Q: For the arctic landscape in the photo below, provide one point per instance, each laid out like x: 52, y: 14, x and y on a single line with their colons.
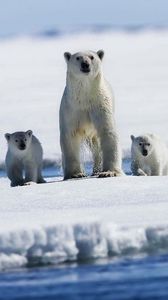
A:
x: 76, y: 220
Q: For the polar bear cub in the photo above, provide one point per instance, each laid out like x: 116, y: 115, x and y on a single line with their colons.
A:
x: 87, y: 114
x: 149, y: 156
x: 24, y: 155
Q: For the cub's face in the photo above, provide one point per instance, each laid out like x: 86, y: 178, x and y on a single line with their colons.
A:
x: 84, y: 64
x: 19, y: 140
x: 143, y: 144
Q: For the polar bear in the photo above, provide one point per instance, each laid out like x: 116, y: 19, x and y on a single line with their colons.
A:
x: 149, y: 156
x: 24, y: 155
x: 87, y: 114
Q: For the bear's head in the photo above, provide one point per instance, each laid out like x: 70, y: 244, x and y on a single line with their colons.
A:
x: 84, y: 64
x: 19, y: 140
x: 142, y: 144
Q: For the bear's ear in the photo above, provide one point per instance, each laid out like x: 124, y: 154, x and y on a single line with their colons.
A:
x: 29, y: 132
x: 100, y: 54
x: 132, y: 137
x: 7, y: 136
x: 67, y: 56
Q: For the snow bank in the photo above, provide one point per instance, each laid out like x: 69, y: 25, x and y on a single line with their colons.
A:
x: 60, y: 221
x: 63, y: 243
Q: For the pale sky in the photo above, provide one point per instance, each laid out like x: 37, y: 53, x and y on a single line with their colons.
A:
x: 28, y: 16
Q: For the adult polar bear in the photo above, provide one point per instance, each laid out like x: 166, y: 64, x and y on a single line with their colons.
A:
x: 87, y: 113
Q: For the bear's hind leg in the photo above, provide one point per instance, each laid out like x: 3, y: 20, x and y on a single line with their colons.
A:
x: 94, y: 145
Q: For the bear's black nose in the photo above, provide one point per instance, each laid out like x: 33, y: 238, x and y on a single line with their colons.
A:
x: 22, y: 146
x: 145, y: 152
x: 85, y: 65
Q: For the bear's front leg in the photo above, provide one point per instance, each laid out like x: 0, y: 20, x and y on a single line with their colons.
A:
x: 136, y: 170
x: 30, y: 173
x: 14, y: 172
x: 156, y: 170
x: 111, y: 155
x: 140, y: 172
x: 70, y: 146
x: 111, y: 152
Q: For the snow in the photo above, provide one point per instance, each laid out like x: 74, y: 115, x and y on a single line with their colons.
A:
x: 77, y: 219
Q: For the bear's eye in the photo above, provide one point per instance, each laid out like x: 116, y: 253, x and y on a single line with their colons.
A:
x: 91, y: 57
x: 16, y: 141
x: 77, y: 58
x: 140, y: 144
x: 148, y: 144
x: 25, y: 140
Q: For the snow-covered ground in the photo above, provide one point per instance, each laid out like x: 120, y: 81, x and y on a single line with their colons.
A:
x: 93, y: 217
x: 79, y: 219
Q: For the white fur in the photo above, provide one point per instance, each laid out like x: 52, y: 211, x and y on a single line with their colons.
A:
x: 87, y: 113
x: 28, y: 160
x: 155, y: 163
